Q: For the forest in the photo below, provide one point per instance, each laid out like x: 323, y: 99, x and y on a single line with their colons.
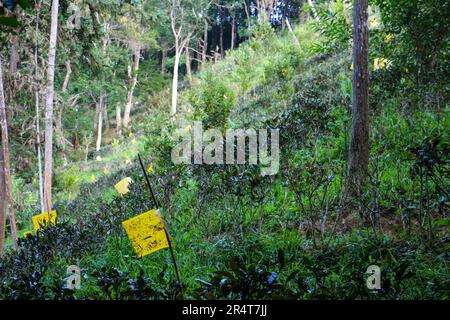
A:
x: 224, y: 150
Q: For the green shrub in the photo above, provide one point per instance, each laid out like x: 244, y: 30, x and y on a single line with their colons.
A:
x: 212, y: 102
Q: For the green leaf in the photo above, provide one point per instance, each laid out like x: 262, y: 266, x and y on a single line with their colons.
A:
x: 25, y: 4
x: 9, y: 21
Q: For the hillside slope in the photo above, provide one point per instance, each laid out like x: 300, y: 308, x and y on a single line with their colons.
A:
x: 240, y: 235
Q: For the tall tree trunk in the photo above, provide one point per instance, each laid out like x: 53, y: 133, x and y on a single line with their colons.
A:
x: 118, y: 119
x: 100, y: 124
x: 221, y: 33
x: 205, y: 42
x: 6, y: 163
x: 188, y: 62
x: 175, y: 80
x: 38, y: 117
x: 359, y: 143
x: 163, y: 60
x: 292, y: 32
x: 2, y: 205
x: 233, y: 32
x: 14, y: 56
x: 97, y: 111
x: 285, y: 14
x: 48, y: 173
x: 105, y: 113
x: 67, y: 78
x: 133, y: 82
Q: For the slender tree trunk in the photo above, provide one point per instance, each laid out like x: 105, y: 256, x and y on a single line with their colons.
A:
x: 118, y: 120
x: 292, y: 32
x: 285, y: 14
x: 359, y: 143
x: 6, y: 163
x: 105, y: 113
x: 3, y: 205
x: 134, y: 78
x: 67, y: 78
x: 175, y: 80
x: 97, y: 111
x: 14, y: 56
x: 48, y: 173
x: 221, y: 33
x: 233, y: 32
x: 188, y: 62
x: 14, y: 59
x: 205, y: 42
x: 38, y: 117
x: 163, y: 60
x: 100, y: 124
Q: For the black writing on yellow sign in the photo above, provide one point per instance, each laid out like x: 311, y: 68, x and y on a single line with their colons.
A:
x: 146, y: 233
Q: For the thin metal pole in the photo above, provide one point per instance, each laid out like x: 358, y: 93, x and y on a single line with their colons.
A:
x: 148, y: 183
x: 165, y: 230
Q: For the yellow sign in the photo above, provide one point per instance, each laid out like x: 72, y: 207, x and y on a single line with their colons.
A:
x: 43, y: 219
x: 146, y: 233
x: 122, y: 186
x: 27, y: 234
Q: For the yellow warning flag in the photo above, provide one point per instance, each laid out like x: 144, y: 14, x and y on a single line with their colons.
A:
x: 122, y: 186
x: 146, y: 233
x: 44, y: 219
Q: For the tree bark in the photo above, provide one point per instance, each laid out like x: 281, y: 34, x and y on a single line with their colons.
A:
x: 133, y: 82
x: 188, y: 62
x: 205, y: 42
x: 233, y: 32
x: 38, y: 117
x: 359, y: 143
x: 2, y: 205
x: 105, y: 113
x: 100, y: 124
x: 118, y: 119
x: 175, y: 82
x: 6, y: 162
x: 48, y: 171
x: 221, y: 33
x: 67, y: 78
x: 163, y: 60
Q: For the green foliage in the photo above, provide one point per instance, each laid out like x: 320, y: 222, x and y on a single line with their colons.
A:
x: 334, y: 26
x: 212, y: 102
x: 238, y: 235
x: 423, y: 52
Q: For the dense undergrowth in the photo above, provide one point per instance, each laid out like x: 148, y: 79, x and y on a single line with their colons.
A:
x: 238, y: 235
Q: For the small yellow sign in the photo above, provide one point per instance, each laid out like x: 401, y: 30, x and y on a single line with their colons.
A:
x: 44, y: 219
x: 122, y: 186
x: 27, y: 234
x: 146, y: 233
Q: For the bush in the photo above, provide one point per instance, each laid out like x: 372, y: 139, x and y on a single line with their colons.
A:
x: 212, y: 102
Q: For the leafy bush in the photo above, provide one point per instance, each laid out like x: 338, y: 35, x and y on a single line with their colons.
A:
x: 212, y: 102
